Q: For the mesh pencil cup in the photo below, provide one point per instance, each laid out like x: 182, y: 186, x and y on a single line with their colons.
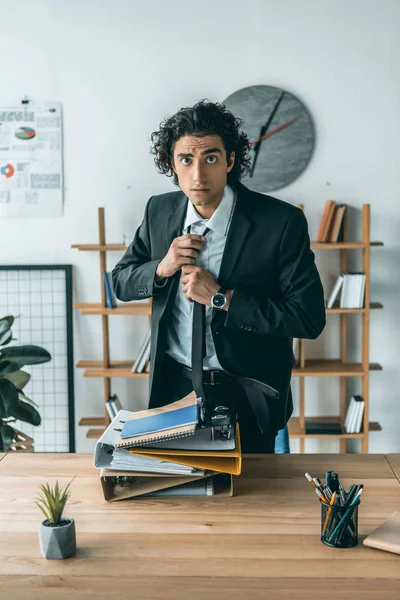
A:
x: 339, y: 525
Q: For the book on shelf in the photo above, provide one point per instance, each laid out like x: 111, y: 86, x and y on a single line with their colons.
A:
x: 324, y: 427
x: 335, y: 291
x: 113, y: 406
x: 354, y: 415
x: 325, y: 221
x: 143, y: 355
x: 336, y: 231
x: 331, y: 226
x: 108, y: 287
x: 353, y: 290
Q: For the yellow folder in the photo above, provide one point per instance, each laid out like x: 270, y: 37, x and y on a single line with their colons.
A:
x: 229, y: 461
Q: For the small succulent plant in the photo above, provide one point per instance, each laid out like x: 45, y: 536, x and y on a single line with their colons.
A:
x: 52, y: 502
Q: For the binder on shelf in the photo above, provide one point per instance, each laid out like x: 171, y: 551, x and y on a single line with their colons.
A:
x: 113, y: 406
x: 143, y: 354
x: 335, y: 291
x: 110, y: 296
x: 354, y: 415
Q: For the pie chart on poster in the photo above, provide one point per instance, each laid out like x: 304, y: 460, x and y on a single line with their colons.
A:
x: 7, y: 170
x: 25, y: 133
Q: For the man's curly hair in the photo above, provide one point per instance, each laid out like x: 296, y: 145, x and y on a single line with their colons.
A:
x: 204, y: 118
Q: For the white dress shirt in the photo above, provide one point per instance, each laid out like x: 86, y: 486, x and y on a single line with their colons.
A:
x: 179, y: 336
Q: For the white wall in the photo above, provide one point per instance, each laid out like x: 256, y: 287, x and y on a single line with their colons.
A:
x: 120, y: 67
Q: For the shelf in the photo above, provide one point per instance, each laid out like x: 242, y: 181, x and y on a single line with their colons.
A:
x: 118, y: 368
x: 295, y: 431
x: 315, y: 245
x: 100, y: 247
x: 139, y: 308
x: 348, y: 311
x: 91, y: 421
x: 94, y: 434
x: 342, y: 245
x: 331, y: 368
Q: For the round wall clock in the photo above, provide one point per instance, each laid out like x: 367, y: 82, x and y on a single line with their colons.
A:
x: 280, y: 131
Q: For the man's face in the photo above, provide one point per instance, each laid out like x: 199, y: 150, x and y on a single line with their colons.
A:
x: 201, y: 167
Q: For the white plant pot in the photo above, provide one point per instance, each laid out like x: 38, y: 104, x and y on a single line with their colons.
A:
x: 59, y: 541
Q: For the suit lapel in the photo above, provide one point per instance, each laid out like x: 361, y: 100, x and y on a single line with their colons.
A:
x: 237, y: 234
x: 176, y: 218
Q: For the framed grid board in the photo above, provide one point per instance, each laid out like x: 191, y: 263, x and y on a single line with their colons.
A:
x: 41, y: 297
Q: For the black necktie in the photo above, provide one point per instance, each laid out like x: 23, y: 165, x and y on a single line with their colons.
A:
x: 198, y: 343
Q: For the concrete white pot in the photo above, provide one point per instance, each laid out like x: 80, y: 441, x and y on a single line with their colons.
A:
x: 58, y: 541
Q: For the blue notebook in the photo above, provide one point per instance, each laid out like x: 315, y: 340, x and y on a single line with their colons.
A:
x: 179, y: 417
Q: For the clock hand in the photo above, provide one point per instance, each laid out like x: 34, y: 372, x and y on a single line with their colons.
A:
x: 267, y: 135
x: 262, y: 132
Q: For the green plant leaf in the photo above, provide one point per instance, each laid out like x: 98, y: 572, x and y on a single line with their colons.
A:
x: 6, y: 366
x: 26, y: 399
x: 6, y: 436
x: 26, y: 412
x: 53, y: 500
x: 6, y: 323
x: 25, y: 355
x: 42, y: 508
x: 8, y: 399
x: 5, y: 338
x: 18, y: 378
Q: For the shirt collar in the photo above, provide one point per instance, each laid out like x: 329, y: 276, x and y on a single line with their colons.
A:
x: 221, y: 217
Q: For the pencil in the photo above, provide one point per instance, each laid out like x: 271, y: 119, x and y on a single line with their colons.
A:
x: 328, y: 514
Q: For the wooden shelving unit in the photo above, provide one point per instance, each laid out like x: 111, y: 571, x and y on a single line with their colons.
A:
x: 341, y: 367
x: 106, y: 368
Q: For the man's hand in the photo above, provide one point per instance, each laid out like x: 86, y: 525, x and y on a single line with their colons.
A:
x: 183, y: 251
x: 198, y: 284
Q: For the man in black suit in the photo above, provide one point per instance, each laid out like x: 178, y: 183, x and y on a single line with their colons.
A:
x: 253, y: 271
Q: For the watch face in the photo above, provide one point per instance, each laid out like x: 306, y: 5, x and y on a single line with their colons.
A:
x: 280, y: 131
x: 219, y: 300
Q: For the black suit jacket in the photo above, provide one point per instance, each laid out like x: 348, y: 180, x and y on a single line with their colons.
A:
x: 268, y: 263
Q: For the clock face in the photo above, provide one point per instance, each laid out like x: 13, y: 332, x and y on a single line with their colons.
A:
x: 280, y: 131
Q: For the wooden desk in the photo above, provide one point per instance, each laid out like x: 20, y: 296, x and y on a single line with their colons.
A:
x: 263, y: 542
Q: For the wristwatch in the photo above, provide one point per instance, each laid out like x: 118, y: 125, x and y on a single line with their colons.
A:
x: 219, y: 299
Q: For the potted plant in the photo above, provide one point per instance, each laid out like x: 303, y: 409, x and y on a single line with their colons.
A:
x: 13, y: 402
x: 57, y: 533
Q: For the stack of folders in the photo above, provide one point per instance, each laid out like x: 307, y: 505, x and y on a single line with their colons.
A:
x: 354, y: 415
x: 352, y: 288
x: 109, y: 291
x: 331, y: 226
x: 143, y: 356
x: 155, y: 450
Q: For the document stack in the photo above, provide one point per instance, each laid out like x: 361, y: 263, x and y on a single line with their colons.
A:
x: 166, y: 451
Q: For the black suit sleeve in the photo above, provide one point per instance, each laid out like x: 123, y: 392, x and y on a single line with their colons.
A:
x: 133, y: 275
x: 298, y: 310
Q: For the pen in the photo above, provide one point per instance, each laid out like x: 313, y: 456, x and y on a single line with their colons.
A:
x: 343, y: 521
x: 328, y: 514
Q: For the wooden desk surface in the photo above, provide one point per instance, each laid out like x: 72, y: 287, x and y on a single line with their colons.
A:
x: 263, y: 542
